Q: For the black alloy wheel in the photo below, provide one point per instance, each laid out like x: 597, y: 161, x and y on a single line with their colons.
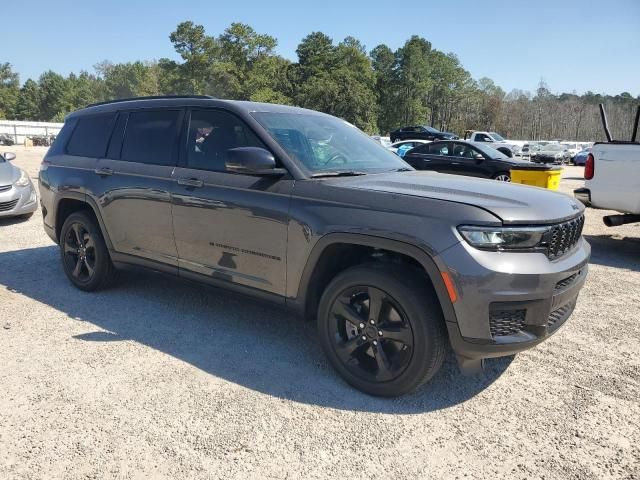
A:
x: 371, y: 333
x: 85, y: 257
x: 382, y: 328
x: 80, y: 253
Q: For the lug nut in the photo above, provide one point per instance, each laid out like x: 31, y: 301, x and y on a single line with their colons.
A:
x: 380, y: 332
x: 362, y: 325
x: 372, y: 322
x: 364, y: 337
x: 375, y: 343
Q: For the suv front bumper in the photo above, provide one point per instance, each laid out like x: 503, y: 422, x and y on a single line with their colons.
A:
x: 509, y: 302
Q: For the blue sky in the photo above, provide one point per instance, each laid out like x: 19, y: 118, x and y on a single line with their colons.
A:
x: 572, y: 44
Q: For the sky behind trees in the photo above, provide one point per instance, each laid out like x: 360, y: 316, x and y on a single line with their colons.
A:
x: 572, y: 44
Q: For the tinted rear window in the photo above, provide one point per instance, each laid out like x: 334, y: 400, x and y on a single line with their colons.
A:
x: 151, y: 137
x: 91, y: 135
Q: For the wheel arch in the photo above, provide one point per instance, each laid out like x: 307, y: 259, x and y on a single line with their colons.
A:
x: 311, y: 282
x: 72, y: 202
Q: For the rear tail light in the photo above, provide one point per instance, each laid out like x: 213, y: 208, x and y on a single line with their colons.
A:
x: 589, y: 167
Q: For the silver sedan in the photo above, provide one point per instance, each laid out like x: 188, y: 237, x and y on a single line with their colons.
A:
x: 17, y: 195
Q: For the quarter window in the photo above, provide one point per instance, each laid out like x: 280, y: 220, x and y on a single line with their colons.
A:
x: 91, y: 135
x: 151, y: 137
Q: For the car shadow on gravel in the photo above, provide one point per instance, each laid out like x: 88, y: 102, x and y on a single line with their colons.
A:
x: 253, y: 344
x: 8, y: 221
x: 615, y: 251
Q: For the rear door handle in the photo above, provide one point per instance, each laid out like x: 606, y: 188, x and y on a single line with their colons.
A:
x: 103, y: 171
x: 190, y: 182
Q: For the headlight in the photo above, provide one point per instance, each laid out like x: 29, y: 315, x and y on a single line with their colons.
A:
x: 23, y: 181
x: 503, y: 238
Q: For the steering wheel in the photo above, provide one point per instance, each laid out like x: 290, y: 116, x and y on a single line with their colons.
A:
x: 337, y: 158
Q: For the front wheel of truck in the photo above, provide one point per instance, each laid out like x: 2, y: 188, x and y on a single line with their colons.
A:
x: 382, y: 328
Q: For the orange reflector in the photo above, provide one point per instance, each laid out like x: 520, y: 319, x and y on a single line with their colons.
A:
x: 451, y: 288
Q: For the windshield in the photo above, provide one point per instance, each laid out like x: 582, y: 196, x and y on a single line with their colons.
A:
x: 490, y: 152
x: 327, y: 144
x: 555, y: 147
x: 496, y: 137
x: 431, y: 129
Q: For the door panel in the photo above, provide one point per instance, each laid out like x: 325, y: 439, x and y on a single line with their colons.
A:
x: 136, y: 183
x: 228, y: 226
x: 463, y: 161
x: 233, y: 227
x: 136, y: 208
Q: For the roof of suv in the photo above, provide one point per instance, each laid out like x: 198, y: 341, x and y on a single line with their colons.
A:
x: 189, y: 101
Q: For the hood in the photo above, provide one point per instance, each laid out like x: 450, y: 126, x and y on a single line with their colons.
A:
x: 8, y: 173
x: 549, y: 152
x: 512, y: 203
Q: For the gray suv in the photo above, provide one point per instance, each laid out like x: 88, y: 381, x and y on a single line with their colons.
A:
x: 303, y: 209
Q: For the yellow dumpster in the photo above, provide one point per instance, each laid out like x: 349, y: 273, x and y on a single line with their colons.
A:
x: 545, y: 176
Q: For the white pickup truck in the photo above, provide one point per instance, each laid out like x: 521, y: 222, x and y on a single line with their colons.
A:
x: 612, y: 177
x: 508, y: 147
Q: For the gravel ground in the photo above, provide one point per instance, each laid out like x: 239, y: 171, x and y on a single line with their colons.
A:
x: 157, y: 378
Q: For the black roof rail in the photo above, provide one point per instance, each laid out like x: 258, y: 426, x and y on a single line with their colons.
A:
x: 151, y: 97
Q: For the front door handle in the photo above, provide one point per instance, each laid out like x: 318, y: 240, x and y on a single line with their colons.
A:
x: 103, y: 172
x: 190, y: 182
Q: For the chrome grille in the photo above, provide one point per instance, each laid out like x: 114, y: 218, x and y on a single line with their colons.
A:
x: 563, y: 237
x: 4, y: 188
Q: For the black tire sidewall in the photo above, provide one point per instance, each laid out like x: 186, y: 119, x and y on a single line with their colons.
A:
x: 419, y: 303
x: 103, y: 267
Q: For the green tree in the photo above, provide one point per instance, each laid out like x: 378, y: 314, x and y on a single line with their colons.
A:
x: 9, y: 90
x: 28, y: 102
x: 54, y: 96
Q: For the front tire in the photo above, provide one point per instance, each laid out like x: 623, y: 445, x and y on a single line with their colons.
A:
x: 502, y: 177
x: 382, y: 329
x: 85, y: 257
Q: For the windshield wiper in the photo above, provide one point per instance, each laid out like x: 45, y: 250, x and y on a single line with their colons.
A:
x: 344, y: 173
x: 403, y: 169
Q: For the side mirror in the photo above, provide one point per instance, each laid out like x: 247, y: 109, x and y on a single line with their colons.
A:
x: 8, y: 156
x: 478, y: 157
x: 252, y: 161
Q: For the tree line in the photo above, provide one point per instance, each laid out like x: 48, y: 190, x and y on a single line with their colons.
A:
x: 378, y: 91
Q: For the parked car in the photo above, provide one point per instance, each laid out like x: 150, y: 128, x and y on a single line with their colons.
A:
x: 17, y: 194
x: 403, y: 146
x: 552, y: 153
x: 581, y: 157
x: 303, y: 209
x: 421, y: 132
x: 612, y: 176
x: 529, y: 150
x: 573, y: 148
x: 384, y: 141
x: 464, y: 158
x: 508, y: 147
x: 6, y: 139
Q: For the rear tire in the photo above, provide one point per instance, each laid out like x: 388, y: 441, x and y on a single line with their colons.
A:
x: 85, y: 257
x: 382, y: 328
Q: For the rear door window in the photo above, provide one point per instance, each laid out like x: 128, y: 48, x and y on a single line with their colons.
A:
x: 151, y: 137
x: 91, y: 135
x: 439, y: 148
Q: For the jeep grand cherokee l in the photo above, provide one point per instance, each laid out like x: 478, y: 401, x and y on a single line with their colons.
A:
x: 303, y: 209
